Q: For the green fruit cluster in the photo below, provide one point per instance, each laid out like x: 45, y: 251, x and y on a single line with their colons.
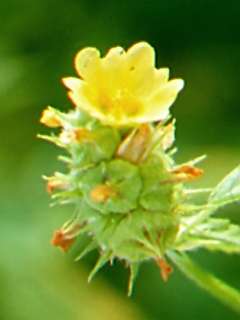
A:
x: 123, y: 184
x: 131, y: 198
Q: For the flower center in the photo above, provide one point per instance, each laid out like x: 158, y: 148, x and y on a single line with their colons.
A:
x: 119, y: 105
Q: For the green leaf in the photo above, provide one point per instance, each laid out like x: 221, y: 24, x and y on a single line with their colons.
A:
x: 214, y: 234
x: 216, y: 287
x: 228, y: 190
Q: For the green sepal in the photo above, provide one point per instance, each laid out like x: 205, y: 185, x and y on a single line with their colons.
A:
x: 103, y: 259
x: 84, y: 154
x: 122, y: 177
x: 158, y: 191
x: 134, y: 268
x: 65, y: 159
x: 137, y: 236
x: 106, y: 141
x: 101, y: 146
x: 85, y: 212
x: 77, y: 118
x: 90, y: 247
x: 53, y: 139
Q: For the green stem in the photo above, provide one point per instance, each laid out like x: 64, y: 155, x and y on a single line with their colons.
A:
x: 217, y: 288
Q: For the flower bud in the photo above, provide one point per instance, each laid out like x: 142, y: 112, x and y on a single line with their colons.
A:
x: 50, y: 118
x: 135, y: 144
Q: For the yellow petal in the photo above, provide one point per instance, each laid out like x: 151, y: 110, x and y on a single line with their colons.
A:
x: 152, y: 116
x: 161, y: 101
x: 162, y: 75
x: 83, y: 98
x: 167, y: 91
x: 87, y: 64
x: 140, y: 54
x: 139, y: 74
x: 112, y: 68
x: 160, y: 78
x: 114, y: 55
x: 113, y: 61
x: 72, y: 83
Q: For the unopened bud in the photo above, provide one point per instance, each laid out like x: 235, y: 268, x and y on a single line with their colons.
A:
x: 50, y: 118
x: 135, y: 144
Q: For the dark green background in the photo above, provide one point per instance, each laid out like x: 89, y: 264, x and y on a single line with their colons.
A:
x: 200, y: 41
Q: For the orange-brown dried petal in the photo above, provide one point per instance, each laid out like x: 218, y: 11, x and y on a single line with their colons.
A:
x: 165, y: 268
x: 102, y: 193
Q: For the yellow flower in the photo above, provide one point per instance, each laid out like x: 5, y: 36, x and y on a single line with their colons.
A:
x: 124, y: 87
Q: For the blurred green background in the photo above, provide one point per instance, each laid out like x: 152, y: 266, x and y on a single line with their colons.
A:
x: 38, y: 39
